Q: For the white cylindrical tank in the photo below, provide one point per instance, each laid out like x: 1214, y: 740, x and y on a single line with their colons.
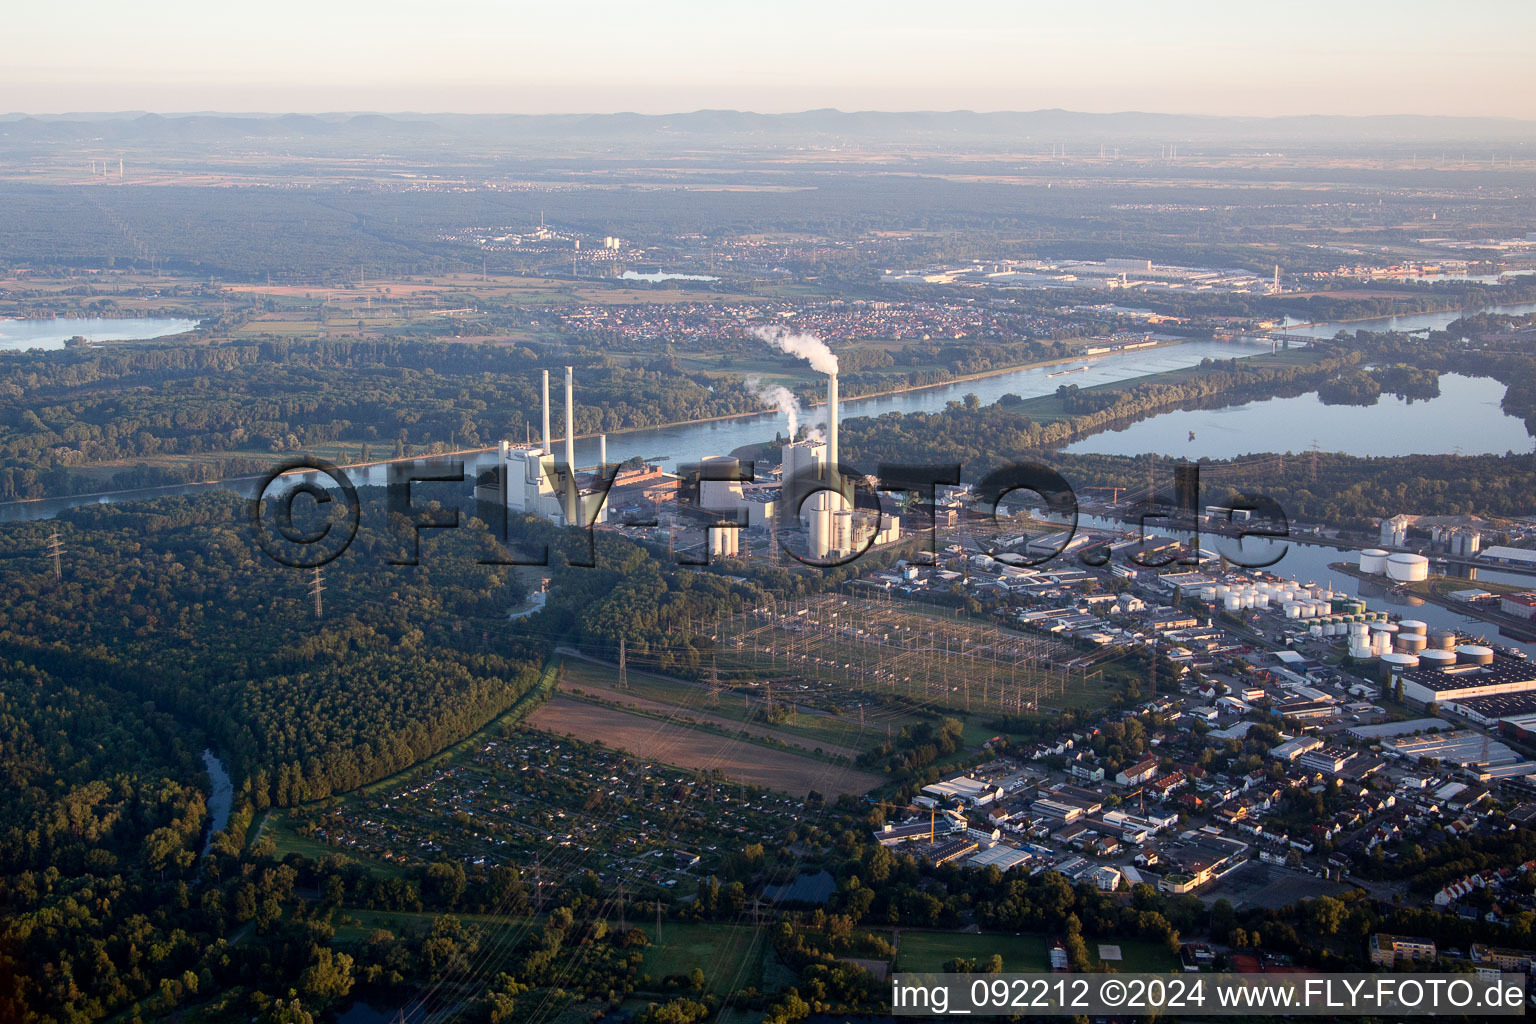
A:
x: 1316, y: 630
x: 1361, y: 652
x: 1407, y: 568
x: 1232, y: 602
x: 1413, y: 626
x: 1374, y: 561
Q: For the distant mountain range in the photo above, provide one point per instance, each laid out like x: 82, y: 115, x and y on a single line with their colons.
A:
x: 931, y: 127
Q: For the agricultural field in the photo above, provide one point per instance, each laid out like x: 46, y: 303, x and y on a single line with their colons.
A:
x: 738, y: 709
x: 697, y: 750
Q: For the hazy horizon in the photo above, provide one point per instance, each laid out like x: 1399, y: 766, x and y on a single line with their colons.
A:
x: 671, y: 56
x: 622, y: 112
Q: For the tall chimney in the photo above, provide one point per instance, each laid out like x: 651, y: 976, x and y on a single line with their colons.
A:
x: 832, y: 419
x: 602, y: 451
x: 570, y: 450
x: 549, y: 442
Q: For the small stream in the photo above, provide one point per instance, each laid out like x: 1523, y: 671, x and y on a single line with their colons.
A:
x: 221, y: 799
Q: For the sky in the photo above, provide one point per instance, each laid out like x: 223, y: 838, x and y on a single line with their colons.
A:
x: 663, y: 56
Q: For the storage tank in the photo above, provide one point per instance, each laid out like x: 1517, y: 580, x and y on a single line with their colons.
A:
x: 1410, y: 643
x: 1316, y: 630
x: 1442, y: 640
x: 1413, y: 626
x: 1232, y: 602
x: 1474, y: 654
x: 1407, y: 568
x: 1436, y: 659
x: 1361, y: 652
x: 1394, y: 662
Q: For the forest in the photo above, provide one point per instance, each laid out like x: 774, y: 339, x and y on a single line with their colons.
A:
x: 248, y: 400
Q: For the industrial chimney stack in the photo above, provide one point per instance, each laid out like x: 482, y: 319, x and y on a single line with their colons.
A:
x: 571, y: 517
x: 549, y: 442
x: 832, y: 421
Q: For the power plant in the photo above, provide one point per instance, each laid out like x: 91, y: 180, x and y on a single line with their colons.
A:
x: 535, y: 485
x: 831, y: 531
x: 531, y: 482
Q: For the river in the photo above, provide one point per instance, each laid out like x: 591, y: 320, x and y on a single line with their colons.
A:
x: 221, y: 798
x: 689, y: 442
x: 16, y: 335
x: 1405, y: 323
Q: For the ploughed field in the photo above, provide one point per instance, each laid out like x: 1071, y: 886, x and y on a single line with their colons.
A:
x: 679, y: 744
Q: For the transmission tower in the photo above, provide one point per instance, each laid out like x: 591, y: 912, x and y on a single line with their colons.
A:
x: 316, y: 588
x: 56, y: 550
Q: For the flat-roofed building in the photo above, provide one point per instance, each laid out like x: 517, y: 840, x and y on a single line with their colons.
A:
x: 1290, y: 750
x: 1387, y: 950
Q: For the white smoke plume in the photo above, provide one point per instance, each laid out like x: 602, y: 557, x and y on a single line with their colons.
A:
x: 780, y: 396
x: 803, y: 346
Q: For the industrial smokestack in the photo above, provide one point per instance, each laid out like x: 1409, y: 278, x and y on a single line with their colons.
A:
x: 832, y: 419
x: 570, y: 448
x: 549, y: 442
x: 602, y: 451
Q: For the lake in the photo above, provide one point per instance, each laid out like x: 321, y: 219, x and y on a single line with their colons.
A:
x: 18, y: 335
x: 659, y: 276
x: 1465, y: 418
